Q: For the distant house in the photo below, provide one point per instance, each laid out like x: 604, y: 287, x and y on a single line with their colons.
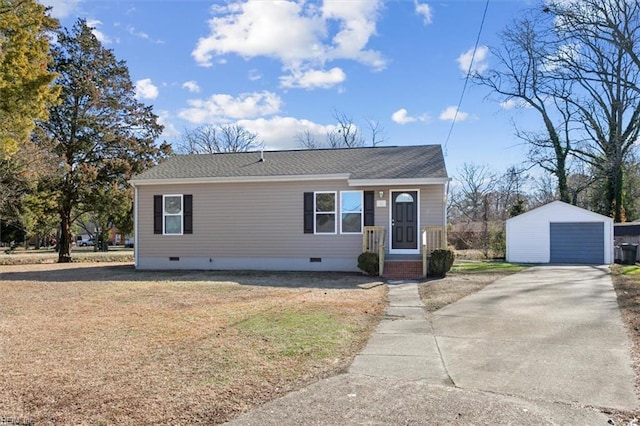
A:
x: 302, y: 210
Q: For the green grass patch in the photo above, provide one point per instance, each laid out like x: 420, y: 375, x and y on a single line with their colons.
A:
x: 629, y: 270
x: 313, y: 334
x: 487, y: 266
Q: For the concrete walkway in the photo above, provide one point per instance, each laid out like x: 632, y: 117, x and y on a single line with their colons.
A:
x: 545, y: 346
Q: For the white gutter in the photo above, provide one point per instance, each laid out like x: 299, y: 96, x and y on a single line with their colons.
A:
x: 392, y: 182
x: 239, y: 179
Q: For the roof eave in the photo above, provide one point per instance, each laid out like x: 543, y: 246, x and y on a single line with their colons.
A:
x: 238, y: 179
x: 396, y: 182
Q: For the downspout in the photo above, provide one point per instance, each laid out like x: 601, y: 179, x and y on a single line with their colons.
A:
x: 136, y: 240
x: 446, y: 197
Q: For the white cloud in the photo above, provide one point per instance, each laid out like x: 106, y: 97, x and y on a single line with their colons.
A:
x: 254, y: 75
x: 62, y: 8
x: 132, y: 30
x: 102, y: 37
x: 402, y: 116
x: 280, y: 132
x: 313, y: 78
x: 145, y: 89
x: 169, y: 131
x: 301, y: 36
x: 509, y: 104
x: 449, y: 114
x: 191, y: 86
x: 357, y: 20
x: 424, y: 10
x: 514, y: 103
x: 222, y: 107
x: 480, y: 63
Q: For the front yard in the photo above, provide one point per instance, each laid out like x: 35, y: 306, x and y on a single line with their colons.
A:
x: 104, y: 344
x: 101, y: 343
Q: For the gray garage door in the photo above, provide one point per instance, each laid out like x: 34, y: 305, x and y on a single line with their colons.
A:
x: 577, y: 242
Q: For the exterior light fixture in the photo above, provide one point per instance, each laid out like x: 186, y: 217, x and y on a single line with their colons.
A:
x: 381, y: 194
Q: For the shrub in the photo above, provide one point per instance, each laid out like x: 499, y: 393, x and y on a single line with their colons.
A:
x: 368, y: 263
x: 440, y: 262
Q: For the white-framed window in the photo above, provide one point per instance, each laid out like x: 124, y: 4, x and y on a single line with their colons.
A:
x: 324, y: 212
x: 351, y: 212
x: 172, y: 214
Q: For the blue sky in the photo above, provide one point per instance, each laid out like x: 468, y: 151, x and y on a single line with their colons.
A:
x: 282, y: 67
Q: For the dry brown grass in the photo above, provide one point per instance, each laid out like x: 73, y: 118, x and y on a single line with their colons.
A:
x: 104, y: 344
x: 626, y: 281
x: 439, y: 293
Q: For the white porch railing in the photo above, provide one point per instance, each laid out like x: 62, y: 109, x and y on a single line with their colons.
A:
x: 433, y: 238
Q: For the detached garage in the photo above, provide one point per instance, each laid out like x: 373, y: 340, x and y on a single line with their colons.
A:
x: 560, y: 233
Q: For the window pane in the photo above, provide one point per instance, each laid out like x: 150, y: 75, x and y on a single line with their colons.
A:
x: 172, y: 205
x: 173, y: 224
x: 325, y: 223
x: 325, y: 202
x: 404, y: 198
x: 351, y: 222
x: 351, y: 201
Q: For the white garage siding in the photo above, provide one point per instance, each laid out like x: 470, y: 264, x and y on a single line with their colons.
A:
x: 529, y: 234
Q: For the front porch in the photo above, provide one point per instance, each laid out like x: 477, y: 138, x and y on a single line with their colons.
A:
x: 403, y: 266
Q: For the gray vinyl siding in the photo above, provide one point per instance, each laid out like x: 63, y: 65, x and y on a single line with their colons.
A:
x: 260, y: 220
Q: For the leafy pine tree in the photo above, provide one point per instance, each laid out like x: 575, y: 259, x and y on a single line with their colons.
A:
x: 99, y: 132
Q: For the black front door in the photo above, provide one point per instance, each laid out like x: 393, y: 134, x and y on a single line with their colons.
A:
x: 404, y: 220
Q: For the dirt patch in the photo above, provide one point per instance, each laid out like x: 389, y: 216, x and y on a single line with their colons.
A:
x: 628, y: 293
x: 105, y: 344
x: 439, y: 293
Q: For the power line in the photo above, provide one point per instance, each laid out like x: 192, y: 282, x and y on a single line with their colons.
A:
x: 466, y: 78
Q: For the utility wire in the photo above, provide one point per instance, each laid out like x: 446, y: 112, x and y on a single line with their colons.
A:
x: 466, y: 79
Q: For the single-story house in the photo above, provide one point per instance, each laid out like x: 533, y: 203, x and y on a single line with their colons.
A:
x: 560, y: 233
x: 300, y: 210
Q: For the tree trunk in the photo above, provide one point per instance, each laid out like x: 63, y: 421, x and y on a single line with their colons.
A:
x: 64, y: 254
x: 563, y: 187
x: 618, y: 196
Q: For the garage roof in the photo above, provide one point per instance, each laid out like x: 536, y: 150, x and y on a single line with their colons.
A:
x: 578, y: 210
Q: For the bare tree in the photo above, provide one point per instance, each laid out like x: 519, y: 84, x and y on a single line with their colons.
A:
x: 378, y: 132
x: 346, y: 134
x: 522, y: 77
x: 606, y: 71
x: 210, y: 139
x: 307, y: 140
x: 576, y: 63
x: 474, y: 183
x: 510, y: 198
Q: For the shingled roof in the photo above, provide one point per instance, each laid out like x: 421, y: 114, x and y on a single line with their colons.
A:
x: 396, y: 162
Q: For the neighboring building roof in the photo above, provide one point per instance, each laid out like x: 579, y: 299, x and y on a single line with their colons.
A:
x: 422, y: 162
x: 624, y: 229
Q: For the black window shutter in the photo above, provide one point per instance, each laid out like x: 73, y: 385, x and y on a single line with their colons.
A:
x: 369, y: 208
x: 157, y: 214
x: 308, y: 212
x: 188, y: 214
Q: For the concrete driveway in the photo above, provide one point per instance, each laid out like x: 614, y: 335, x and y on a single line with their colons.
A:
x: 545, y: 346
x: 552, y: 333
